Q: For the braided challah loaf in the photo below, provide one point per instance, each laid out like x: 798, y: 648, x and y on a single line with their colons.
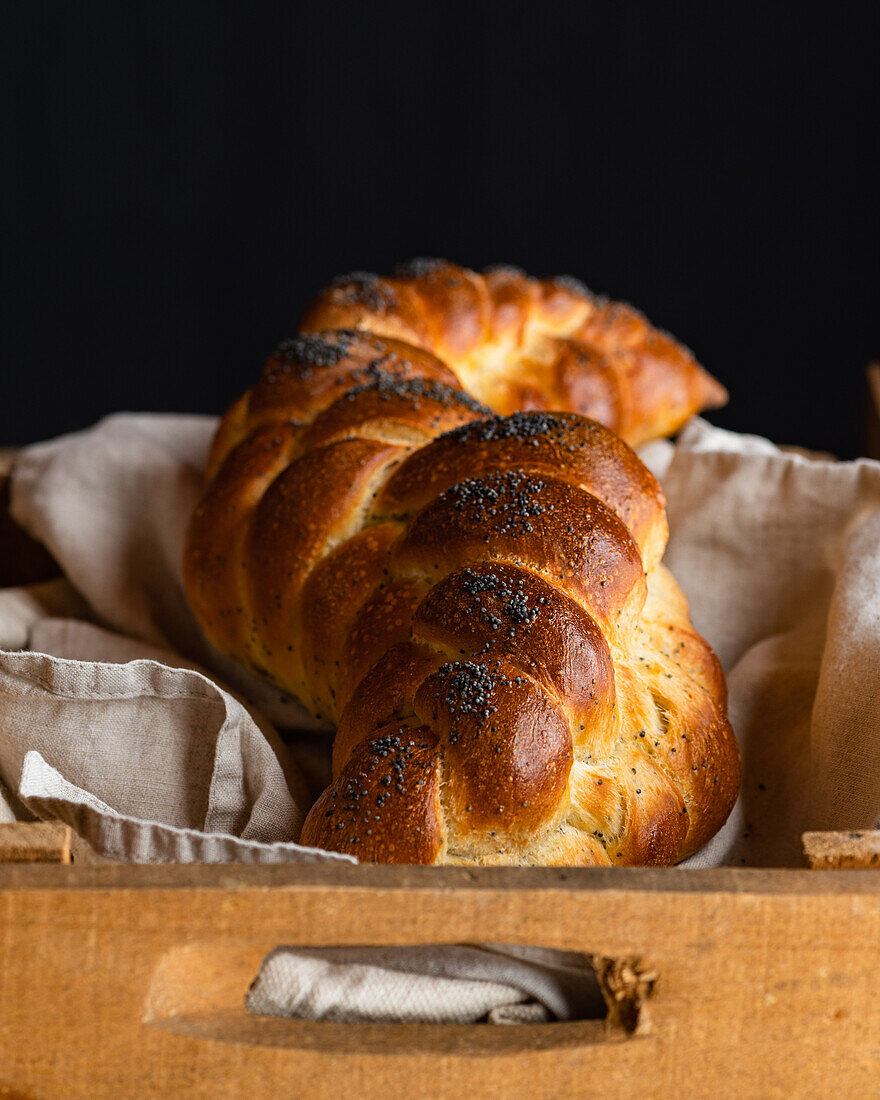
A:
x: 476, y: 602
x: 517, y: 343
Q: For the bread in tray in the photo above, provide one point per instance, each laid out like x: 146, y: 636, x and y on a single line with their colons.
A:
x: 476, y: 602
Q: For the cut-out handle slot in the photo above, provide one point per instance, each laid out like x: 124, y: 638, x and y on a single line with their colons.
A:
x: 440, y: 998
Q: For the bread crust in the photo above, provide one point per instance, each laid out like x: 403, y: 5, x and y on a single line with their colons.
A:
x: 519, y: 343
x: 477, y: 604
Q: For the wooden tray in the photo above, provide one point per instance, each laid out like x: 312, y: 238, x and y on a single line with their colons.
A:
x: 125, y: 981
x: 129, y: 981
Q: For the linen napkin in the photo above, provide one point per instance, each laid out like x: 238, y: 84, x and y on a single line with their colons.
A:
x: 780, y: 556
x: 450, y: 984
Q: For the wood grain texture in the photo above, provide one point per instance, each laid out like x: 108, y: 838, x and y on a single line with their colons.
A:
x: 764, y: 982
x: 34, y: 842
x: 843, y: 850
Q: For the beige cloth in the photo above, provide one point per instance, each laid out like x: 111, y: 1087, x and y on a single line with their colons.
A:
x: 112, y: 504
x: 454, y: 984
x: 151, y: 758
x: 121, y: 733
x: 780, y: 556
x: 147, y: 761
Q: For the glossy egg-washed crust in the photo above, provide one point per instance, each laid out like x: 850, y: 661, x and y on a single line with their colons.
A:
x: 518, y: 343
x: 475, y: 602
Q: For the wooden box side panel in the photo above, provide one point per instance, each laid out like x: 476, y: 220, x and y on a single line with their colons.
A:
x: 129, y: 982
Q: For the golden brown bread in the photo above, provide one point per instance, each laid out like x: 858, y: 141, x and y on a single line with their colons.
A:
x: 518, y: 343
x: 476, y: 602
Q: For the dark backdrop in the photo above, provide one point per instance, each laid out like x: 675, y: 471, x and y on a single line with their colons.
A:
x: 178, y: 179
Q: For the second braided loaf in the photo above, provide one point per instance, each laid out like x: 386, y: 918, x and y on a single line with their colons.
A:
x: 519, y: 343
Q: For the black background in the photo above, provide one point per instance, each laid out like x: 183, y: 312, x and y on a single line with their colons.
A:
x: 177, y: 180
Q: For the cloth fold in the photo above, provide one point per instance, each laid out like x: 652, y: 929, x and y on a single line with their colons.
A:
x: 146, y: 761
x: 449, y: 984
x: 112, y: 504
x: 779, y: 554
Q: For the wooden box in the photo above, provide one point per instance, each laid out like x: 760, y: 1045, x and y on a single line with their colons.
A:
x: 125, y: 981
